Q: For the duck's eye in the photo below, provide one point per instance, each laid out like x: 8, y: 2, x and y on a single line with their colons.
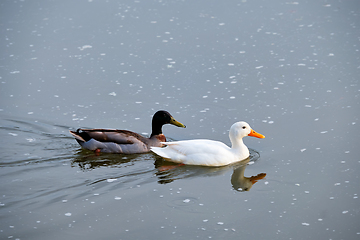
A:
x: 244, y: 127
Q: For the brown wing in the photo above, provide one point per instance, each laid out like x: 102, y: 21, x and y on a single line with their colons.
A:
x: 109, y: 135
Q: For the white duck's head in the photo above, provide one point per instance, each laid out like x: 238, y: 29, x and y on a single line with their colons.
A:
x: 242, y: 129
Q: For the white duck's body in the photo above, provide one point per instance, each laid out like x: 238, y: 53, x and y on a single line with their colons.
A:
x: 207, y: 152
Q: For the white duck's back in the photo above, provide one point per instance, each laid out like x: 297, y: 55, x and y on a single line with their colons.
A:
x: 197, y: 152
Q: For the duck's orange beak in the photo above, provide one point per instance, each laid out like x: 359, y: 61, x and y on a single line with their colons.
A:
x: 255, y: 134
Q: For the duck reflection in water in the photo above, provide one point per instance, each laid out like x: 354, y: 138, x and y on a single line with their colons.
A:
x: 169, y: 172
x: 165, y: 171
x: 240, y: 182
x: 88, y: 161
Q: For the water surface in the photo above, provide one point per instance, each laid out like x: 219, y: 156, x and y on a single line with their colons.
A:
x: 290, y: 69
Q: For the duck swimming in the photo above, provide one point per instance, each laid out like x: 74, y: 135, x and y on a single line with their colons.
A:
x: 124, y: 141
x: 207, y: 152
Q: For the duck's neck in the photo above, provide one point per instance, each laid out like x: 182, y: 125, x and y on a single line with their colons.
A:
x: 156, y: 129
x: 238, y: 146
x: 237, y: 143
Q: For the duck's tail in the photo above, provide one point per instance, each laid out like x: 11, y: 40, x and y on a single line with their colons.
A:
x: 159, y: 151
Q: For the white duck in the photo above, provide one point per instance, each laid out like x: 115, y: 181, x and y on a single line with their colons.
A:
x: 207, y: 152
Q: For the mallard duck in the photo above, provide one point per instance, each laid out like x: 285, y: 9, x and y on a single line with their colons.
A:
x: 123, y: 141
x: 207, y: 152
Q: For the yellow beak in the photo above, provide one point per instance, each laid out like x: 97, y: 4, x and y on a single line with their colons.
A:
x: 176, y: 123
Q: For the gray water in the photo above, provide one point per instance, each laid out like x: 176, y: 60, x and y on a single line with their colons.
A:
x: 290, y: 69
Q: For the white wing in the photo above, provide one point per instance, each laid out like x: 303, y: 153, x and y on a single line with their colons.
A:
x: 196, y: 152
